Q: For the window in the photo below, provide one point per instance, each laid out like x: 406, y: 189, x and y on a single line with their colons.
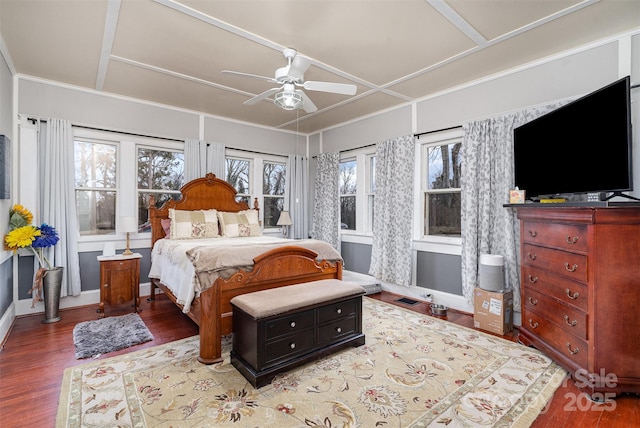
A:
x: 371, y: 190
x: 273, y: 187
x: 442, y: 167
x: 96, y: 186
x: 348, y: 194
x: 161, y: 173
x: 237, y: 174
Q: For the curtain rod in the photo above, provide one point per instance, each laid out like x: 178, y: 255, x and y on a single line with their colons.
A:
x: 437, y: 130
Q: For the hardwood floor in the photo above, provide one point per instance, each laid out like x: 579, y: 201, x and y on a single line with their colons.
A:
x: 35, y: 355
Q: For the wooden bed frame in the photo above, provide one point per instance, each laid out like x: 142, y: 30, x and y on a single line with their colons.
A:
x: 276, y: 268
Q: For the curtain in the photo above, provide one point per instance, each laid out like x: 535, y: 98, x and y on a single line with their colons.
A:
x: 487, y: 177
x: 201, y: 157
x: 326, y: 208
x: 57, y: 199
x: 393, y: 211
x: 296, y: 201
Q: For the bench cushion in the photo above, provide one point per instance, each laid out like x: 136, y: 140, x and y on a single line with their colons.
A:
x: 261, y: 304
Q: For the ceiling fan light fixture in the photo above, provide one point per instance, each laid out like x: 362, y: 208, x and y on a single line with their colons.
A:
x: 288, y: 100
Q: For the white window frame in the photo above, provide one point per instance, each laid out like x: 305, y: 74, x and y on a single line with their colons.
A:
x: 433, y: 243
x: 271, y: 160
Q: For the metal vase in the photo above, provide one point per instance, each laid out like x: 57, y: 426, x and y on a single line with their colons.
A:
x: 51, y: 285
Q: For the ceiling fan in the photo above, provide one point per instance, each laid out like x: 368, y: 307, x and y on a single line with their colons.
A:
x: 291, y: 76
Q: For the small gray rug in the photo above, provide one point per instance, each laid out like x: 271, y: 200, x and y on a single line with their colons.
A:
x: 94, y: 338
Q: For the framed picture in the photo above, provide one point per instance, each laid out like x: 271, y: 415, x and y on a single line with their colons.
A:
x: 5, y: 164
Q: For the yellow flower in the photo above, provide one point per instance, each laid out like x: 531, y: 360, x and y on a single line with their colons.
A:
x: 21, y: 237
x: 19, y: 216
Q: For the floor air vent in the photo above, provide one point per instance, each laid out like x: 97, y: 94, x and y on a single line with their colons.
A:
x: 407, y: 301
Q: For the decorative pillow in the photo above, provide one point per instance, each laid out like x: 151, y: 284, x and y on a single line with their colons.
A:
x: 193, y: 224
x: 166, y: 226
x: 243, y: 223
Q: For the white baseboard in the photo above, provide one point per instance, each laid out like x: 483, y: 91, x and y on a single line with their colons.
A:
x: 6, y: 322
x: 91, y: 297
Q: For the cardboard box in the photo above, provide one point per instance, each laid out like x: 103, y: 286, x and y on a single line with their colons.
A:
x: 493, y: 311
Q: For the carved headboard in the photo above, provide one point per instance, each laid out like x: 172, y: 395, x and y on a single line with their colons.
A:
x: 203, y: 193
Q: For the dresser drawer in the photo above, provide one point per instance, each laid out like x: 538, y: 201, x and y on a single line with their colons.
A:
x: 569, y: 265
x: 337, y: 310
x: 289, y: 324
x: 288, y: 347
x: 563, y: 342
x: 555, y: 286
x: 337, y: 329
x: 571, y: 237
x: 566, y: 317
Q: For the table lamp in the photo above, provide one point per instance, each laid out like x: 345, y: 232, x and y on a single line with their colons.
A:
x: 128, y: 224
x: 285, y: 222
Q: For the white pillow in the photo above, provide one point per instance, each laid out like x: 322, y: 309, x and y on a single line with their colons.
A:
x: 193, y: 224
x: 243, y: 223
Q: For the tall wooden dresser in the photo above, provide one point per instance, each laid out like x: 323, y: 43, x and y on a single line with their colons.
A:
x: 580, y: 289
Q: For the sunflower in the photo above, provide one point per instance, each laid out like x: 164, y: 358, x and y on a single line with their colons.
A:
x: 19, y: 216
x: 21, y: 237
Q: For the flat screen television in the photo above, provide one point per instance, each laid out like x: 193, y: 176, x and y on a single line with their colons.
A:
x: 581, y: 147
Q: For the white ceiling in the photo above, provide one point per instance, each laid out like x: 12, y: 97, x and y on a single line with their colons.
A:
x: 395, y: 51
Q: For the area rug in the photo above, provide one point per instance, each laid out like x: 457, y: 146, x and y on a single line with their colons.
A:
x: 413, y: 371
x: 94, y: 338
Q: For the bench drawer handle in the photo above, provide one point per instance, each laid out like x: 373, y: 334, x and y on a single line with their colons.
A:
x: 339, y: 310
x: 338, y: 329
x: 293, y: 324
x: 292, y: 345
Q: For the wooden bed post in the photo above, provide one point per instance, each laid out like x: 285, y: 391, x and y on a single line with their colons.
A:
x: 210, y: 326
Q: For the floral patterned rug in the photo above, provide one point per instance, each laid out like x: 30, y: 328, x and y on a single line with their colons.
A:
x: 413, y: 371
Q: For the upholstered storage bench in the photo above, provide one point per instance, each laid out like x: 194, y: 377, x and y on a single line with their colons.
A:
x: 278, y: 329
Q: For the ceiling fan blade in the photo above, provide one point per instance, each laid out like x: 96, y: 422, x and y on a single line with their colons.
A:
x: 307, y: 104
x: 262, y: 96
x: 299, y: 65
x: 336, y: 88
x: 255, y: 76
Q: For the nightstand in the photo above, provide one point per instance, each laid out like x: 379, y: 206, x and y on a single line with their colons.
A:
x: 119, y: 281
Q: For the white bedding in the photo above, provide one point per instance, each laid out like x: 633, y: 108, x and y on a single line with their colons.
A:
x: 170, y: 264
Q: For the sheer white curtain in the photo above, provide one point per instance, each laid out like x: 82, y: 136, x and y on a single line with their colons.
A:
x: 57, y: 199
x: 487, y: 177
x: 326, y: 211
x: 296, y: 201
x: 393, y: 207
x: 201, y: 157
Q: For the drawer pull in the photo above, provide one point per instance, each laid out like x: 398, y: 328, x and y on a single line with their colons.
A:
x: 533, y: 233
x: 570, y: 323
x: 292, y: 345
x: 573, y: 296
x: 533, y: 324
x: 293, y: 324
x: 531, y: 256
x: 532, y: 279
x: 533, y: 301
x: 570, y: 269
x: 338, y: 311
x: 573, y: 351
x: 338, y: 330
x: 571, y: 240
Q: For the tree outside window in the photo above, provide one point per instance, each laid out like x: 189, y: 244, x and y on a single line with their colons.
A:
x: 237, y: 174
x: 96, y: 186
x: 161, y: 173
x: 348, y: 195
x: 442, y: 200
x: 273, y: 187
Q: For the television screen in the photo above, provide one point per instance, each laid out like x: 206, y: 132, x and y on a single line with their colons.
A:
x: 581, y: 147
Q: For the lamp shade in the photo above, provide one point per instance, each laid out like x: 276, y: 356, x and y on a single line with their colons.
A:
x: 128, y: 224
x: 284, y: 219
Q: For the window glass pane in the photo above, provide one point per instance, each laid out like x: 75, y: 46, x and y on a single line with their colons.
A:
x: 160, y: 169
x: 95, y: 165
x: 237, y: 174
x: 348, y: 212
x: 444, y: 166
x: 273, y: 179
x: 348, y: 178
x: 96, y: 212
x: 272, y: 209
x: 372, y: 183
x: 443, y: 213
